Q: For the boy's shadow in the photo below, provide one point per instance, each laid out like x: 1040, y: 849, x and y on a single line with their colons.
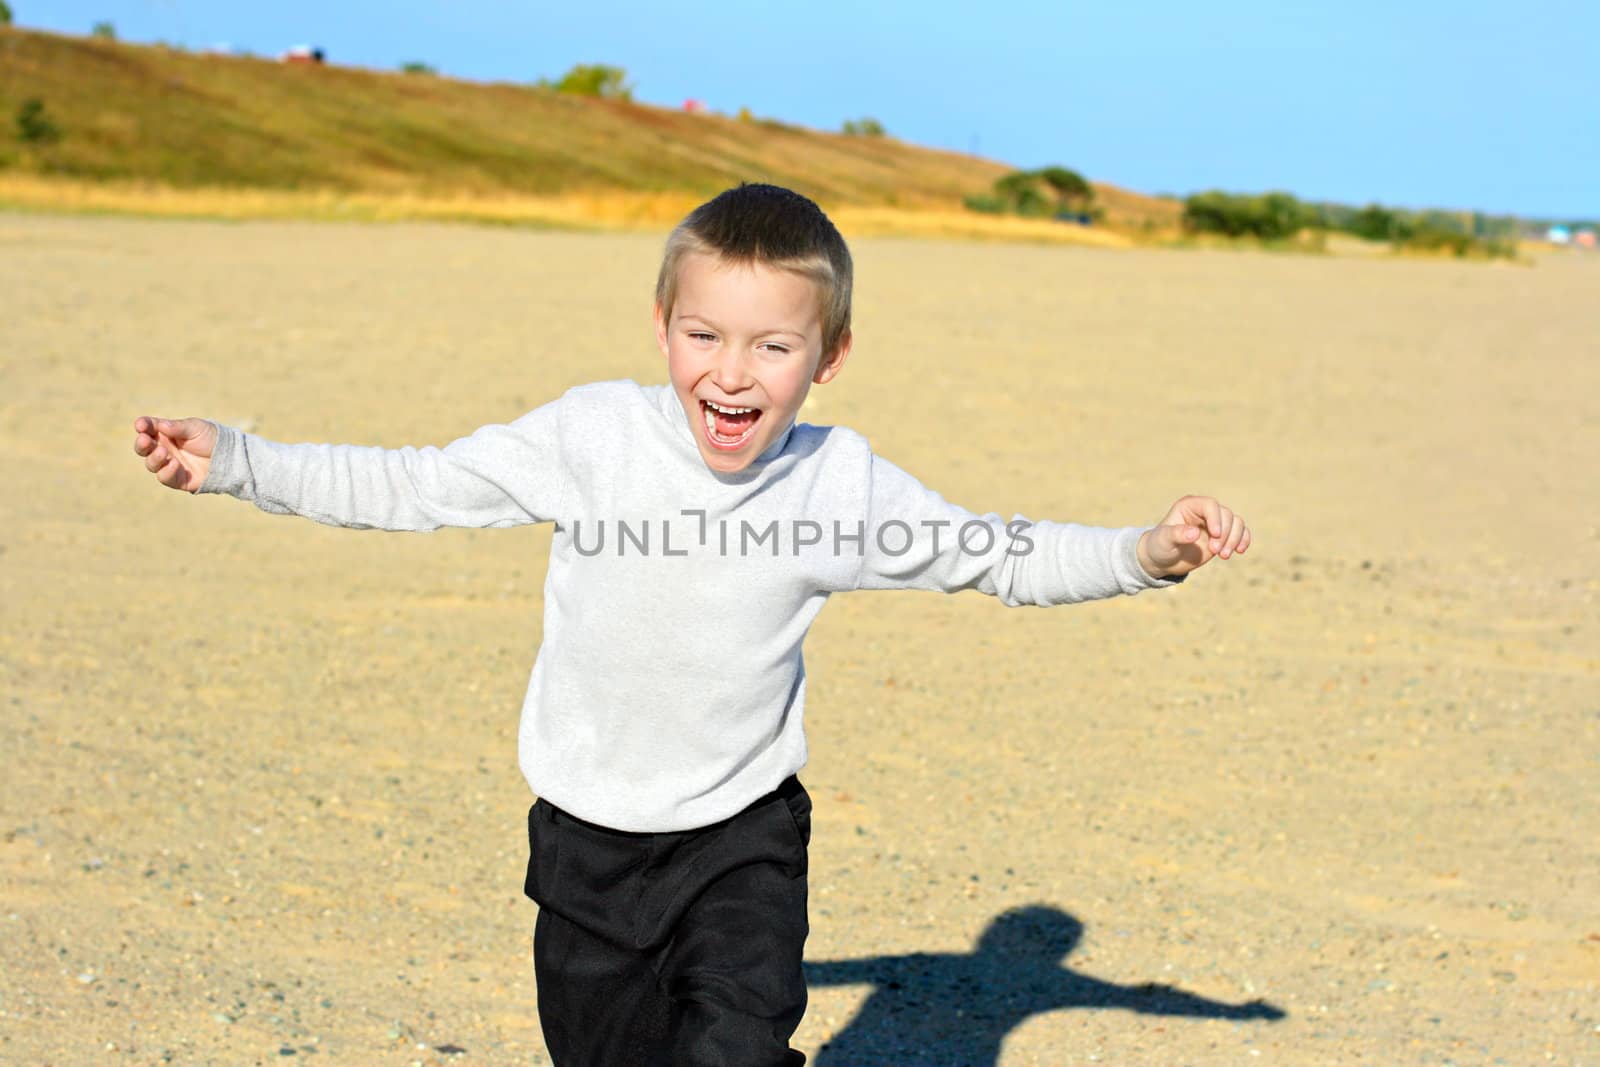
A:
x: 940, y: 1010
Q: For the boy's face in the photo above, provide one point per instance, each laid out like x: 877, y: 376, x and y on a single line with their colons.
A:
x: 743, y: 348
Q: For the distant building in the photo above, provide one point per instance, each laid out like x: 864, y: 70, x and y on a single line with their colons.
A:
x: 303, y: 53
x: 1584, y: 239
x: 693, y: 107
x: 1558, y: 235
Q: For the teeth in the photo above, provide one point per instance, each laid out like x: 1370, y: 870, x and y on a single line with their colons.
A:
x: 711, y: 422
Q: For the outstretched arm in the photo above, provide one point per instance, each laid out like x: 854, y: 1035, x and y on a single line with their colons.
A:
x: 914, y: 539
x: 1153, y: 998
x: 504, y: 475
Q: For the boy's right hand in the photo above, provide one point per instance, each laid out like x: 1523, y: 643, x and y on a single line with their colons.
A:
x: 176, y: 451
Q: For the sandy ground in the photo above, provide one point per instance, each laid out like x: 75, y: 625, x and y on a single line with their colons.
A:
x: 259, y: 796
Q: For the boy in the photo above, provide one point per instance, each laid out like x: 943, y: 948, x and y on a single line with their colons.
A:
x: 698, y: 530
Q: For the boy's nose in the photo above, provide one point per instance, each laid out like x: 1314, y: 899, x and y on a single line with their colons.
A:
x: 731, y: 373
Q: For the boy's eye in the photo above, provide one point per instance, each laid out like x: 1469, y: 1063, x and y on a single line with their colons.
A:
x: 700, y: 335
x: 775, y: 348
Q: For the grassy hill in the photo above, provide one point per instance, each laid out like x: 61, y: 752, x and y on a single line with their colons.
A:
x: 175, y: 121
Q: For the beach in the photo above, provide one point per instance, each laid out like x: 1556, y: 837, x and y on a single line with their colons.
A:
x: 1332, y: 801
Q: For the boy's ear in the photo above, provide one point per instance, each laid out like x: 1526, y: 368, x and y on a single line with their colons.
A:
x: 661, y: 329
x: 828, y: 369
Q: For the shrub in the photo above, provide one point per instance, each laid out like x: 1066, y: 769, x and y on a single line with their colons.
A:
x: 1270, y: 216
x: 1278, y: 216
x: 989, y: 205
x: 1030, y: 201
x: 416, y: 66
x: 1435, y: 239
x: 1052, y: 191
x: 1376, y: 223
x: 867, y: 127
x: 1430, y: 236
x: 594, y: 79
x: 33, y: 125
x: 5, y: 13
x: 1213, y: 212
x: 1452, y: 233
x: 104, y: 31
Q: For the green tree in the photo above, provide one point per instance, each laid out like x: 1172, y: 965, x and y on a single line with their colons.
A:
x: 5, y: 13
x: 595, y: 79
x: 416, y: 66
x: 1011, y: 184
x: 104, y: 31
x: 33, y: 125
x: 1068, y: 184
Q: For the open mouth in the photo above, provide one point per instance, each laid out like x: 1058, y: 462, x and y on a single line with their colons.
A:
x: 728, y: 428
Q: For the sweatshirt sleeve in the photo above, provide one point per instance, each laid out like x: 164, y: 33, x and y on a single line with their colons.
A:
x: 914, y: 539
x: 501, y: 475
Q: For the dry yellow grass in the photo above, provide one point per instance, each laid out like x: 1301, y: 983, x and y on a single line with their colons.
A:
x: 610, y: 210
x: 601, y: 209
x: 158, y: 132
x: 138, y: 113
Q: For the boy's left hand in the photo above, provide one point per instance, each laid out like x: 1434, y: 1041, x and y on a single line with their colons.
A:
x: 1196, y: 529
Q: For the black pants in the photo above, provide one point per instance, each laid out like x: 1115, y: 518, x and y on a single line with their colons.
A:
x: 673, y: 948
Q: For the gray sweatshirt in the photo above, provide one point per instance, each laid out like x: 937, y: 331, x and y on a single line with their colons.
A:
x: 669, y: 689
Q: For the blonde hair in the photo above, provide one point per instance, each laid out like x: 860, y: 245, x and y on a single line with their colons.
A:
x: 773, y: 227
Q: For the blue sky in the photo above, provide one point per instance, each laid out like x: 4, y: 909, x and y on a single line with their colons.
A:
x: 1475, y: 105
